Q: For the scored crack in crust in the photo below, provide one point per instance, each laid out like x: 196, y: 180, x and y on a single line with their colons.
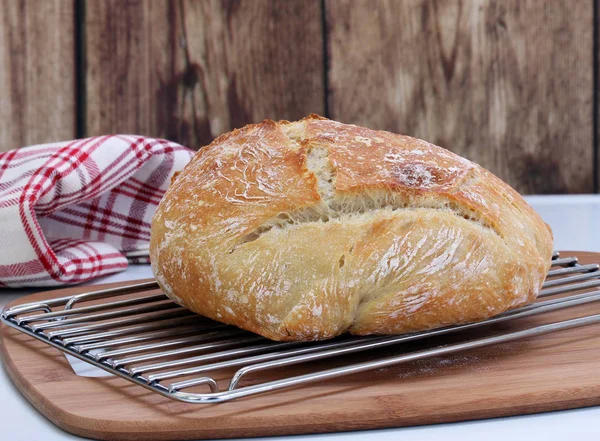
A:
x: 305, y: 230
x: 317, y: 162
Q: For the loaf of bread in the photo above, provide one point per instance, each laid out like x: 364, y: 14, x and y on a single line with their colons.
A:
x: 306, y: 230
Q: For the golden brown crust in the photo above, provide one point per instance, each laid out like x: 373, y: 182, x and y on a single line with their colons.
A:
x: 304, y: 230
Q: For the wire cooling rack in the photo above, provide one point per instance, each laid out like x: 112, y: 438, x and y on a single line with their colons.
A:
x: 139, y: 334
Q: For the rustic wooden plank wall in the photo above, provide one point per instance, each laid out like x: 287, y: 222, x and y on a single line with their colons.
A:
x: 37, y: 72
x: 192, y: 70
x: 129, y: 60
x: 509, y: 84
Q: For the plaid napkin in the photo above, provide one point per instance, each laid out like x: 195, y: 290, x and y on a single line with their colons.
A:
x: 76, y: 210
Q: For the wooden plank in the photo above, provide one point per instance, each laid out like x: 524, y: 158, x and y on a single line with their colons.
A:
x: 507, y: 84
x: 544, y: 373
x: 129, y: 62
x: 37, y: 72
x: 596, y: 97
x: 191, y: 70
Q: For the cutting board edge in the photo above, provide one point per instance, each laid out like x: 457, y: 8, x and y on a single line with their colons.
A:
x: 84, y: 425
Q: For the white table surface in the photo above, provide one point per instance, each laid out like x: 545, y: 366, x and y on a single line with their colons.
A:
x: 573, y: 220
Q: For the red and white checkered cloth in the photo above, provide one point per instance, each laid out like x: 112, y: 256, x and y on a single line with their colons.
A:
x: 76, y: 210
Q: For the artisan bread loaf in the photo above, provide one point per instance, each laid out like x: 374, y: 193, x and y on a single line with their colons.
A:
x: 306, y: 230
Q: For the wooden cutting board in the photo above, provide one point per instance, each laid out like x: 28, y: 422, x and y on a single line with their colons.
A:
x: 556, y: 371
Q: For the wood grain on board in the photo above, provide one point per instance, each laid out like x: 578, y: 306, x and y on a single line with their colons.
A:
x: 507, y: 379
x: 192, y: 70
x: 507, y: 84
x: 37, y: 72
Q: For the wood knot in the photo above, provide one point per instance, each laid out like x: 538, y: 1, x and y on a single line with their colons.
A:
x: 191, y: 75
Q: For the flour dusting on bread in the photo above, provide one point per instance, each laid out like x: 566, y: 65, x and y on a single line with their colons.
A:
x: 308, y: 229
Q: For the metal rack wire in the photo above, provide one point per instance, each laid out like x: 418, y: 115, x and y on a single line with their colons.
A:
x: 137, y: 333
